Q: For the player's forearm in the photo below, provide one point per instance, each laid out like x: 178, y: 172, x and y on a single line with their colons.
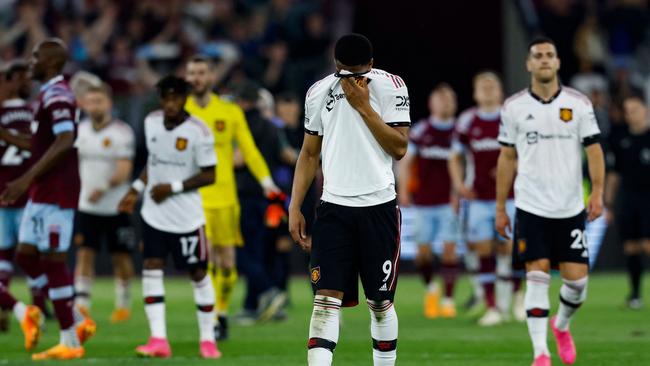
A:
x: 404, y: 174
x: 306, y: 168
x: 123, y: 169
x: 24, y: 142
x: 505, y: 175
x: 611, y: 189
x: 206, y: 177
x: 455, y: 167
x: 392, y: 140
x: 596, y: 162
x: 62, y: 146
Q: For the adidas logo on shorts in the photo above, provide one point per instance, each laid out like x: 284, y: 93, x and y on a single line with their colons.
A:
x: 383, y: 288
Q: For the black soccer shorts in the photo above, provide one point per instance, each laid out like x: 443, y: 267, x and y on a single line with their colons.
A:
x: 353, y: 242
x: 189, y: 250
x: 559, y: 240
x: 93, y: 230
x: 633, y: 215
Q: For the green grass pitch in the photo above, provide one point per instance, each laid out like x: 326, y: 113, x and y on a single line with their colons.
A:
x: 605, y: 333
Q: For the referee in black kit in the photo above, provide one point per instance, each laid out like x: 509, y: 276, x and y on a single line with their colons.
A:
x: 358, y: 119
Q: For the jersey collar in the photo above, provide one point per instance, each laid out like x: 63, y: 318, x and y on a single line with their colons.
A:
x: 441, y: 124
x: 539, y: 99
x: 51, y: 82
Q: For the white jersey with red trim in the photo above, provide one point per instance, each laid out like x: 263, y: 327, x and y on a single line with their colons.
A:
x: 356, y: 169
x: 549, y: 137
x: 176, y: 155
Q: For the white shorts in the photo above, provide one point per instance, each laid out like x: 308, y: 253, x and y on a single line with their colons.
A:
x: 9, y: 226
x: 47, y: 227
x: 481, y: 219
x: 435, y: 224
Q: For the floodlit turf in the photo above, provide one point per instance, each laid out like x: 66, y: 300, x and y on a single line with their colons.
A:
x: 605, y: 333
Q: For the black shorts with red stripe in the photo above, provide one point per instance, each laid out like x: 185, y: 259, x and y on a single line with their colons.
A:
x: 188, y: 250
x: 349, y: 243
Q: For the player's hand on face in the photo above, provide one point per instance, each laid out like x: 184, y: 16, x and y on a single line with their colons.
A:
x: 594, y: 207
x: 160, y: 192
x: 356, y: 92
x: 127, y: 204
x: 13, y: 190
x: 502, y: 224
x: 297, y: 229
x: 95, y: 196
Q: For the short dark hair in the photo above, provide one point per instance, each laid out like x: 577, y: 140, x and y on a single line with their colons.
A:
x: 173, y: 84
x: 540, y: 40
x: 635, y: 95
x: 101, y: 88
x: 15, y: 67
x: 353, y: 50
x: 248, y: 91
x: 442, y: 86
x: 202, y: 59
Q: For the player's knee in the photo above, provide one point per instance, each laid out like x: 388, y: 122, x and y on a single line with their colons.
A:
x: 574, y: 292
x: 198, y: 273
x: 330, y: 293
x: 153, y: 263
x: 632, y: 247
x: 381, y: 310
x: 542, y: 265
x: 27, y: 261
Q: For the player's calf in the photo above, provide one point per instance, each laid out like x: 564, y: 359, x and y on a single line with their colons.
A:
x: 383, y: 329
x: 323, y: 330
x: 204, y: 299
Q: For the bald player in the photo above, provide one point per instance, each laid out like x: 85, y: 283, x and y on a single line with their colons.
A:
x: 53, y: 181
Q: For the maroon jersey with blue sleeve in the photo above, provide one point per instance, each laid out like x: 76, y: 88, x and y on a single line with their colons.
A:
x: 56, y: 113
x: 16, y: 117
x: 430, y: 141
x: 477, y: 133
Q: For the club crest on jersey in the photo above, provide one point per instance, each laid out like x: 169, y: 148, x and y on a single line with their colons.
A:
x: 181, y: 143
x: 566, y: 114
x: 220, y: 125
x: 521, y: 245
x: 315, y: 275
x: 106, y: 143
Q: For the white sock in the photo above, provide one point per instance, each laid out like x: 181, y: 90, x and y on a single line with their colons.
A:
x: 69, y: 337
x: 19, y: 311
x: 383, y: 329
x: 122, y: 294
x: 472, y: 265
x: 572, y: 295
x: 503, y: 285
x: 82, y: 287
x: 537, y: 305
x: 433, y: 287
x: 153, y: 291
x: 323, y: 330
x: 204, y: 299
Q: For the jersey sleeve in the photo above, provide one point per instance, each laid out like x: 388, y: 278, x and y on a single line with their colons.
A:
x: 204, y: 153
x: 313, y: 104
x: 62, y: 111
x: 507, y: 130
x: 395, y: 103
x: 460, y: 138
x: 252, y: 155
x: 588, y: 129
x: 125, y: 147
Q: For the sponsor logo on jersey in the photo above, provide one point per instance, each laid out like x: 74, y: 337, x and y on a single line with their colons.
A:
x: 566, y: 114
x: 181, y: 143
x: 220, y: 125
x: 61, y: 114
x: 486, y: 144
x: 315, y: 274
x: 531, y: 137
x: 106, y: 142
x: 403, y: 103
x: 332, y: 99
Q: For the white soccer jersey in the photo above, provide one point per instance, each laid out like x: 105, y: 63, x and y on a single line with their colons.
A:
x: 357, y: 171
x: 549, y: 138
x: 176, y: 155
x: 98, y: 153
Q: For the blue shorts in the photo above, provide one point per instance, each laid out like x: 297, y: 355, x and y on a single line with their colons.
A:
x: 9, y: 227
x: 47, y: 226
x: 435, y: 224
x: 481, y: 219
